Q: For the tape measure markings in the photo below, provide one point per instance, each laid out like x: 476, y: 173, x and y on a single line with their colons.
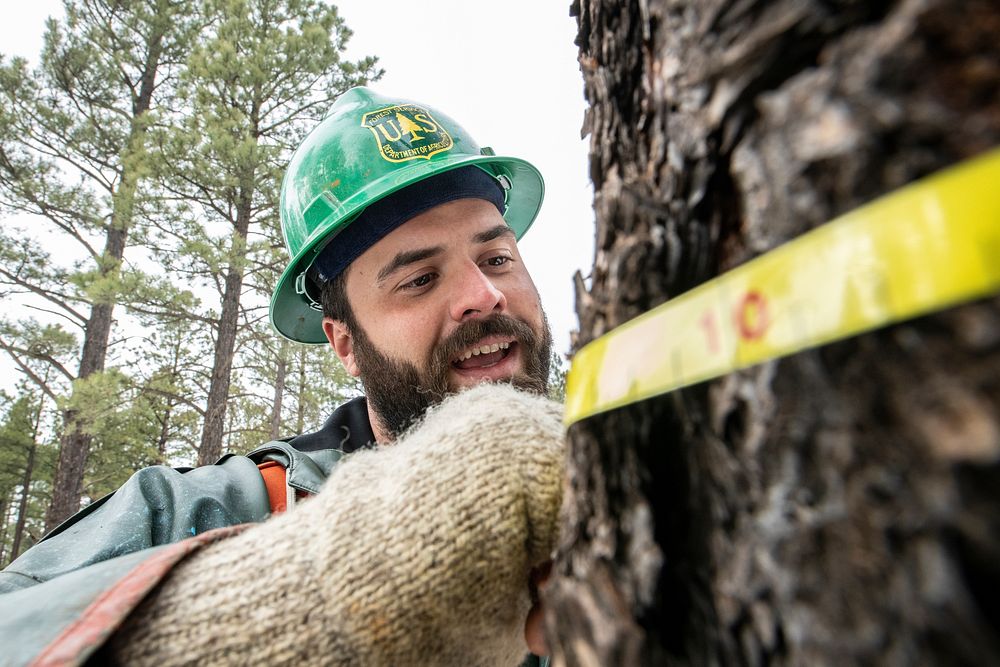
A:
x: 927, y: 246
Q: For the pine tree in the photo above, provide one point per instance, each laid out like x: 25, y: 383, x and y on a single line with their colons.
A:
x: 26, y: 467
x: 264, y: 70
x: 73, y: 152
x: 172, y: 386
x: 15, y: 446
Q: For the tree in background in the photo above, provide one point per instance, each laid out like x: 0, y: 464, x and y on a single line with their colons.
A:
x: 27, y: 461
x: 161, y: 200
x: 169, y: 379
x: 837, y: 506
x: 266, y: 69
x: 73, y: 154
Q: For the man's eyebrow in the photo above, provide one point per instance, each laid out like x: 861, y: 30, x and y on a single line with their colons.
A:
x: 406, y: 258
x: 492, y: 233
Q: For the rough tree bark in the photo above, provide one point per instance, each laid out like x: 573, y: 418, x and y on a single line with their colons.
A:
x: 837, y: 506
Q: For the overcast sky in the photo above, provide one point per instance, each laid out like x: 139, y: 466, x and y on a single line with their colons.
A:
x: 506, y: 71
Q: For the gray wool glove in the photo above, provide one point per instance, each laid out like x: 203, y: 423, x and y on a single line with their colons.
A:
x: 417, y: 553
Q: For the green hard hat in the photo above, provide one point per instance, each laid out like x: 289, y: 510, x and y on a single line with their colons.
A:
x: 367, y: 148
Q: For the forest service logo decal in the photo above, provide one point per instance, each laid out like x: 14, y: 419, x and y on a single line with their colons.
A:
x: 406, y: 132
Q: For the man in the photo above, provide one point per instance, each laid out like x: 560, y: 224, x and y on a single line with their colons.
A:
x: 402, y: 234
x: 425, y: 292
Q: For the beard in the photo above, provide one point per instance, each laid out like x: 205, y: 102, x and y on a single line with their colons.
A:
x: 400, y: 393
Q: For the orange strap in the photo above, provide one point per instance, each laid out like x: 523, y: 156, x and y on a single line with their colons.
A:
x: 274, y: 479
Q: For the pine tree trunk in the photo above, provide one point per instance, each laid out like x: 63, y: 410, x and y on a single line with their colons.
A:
x: 6, y: 515
x: 29, y: 471
x: 210, y: 448
x: 834, y: 507
x: 279, y: 392
x: 4, y: 503
x: 22, y: 512
x: 300, y: 408
x: 166, y: 416
x: 164, y: 436
x: 74, y: 444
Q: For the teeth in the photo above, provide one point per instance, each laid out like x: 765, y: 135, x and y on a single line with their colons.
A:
x: 484, y: 349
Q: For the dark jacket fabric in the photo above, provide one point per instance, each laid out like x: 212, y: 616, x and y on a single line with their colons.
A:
x: 347, y: 430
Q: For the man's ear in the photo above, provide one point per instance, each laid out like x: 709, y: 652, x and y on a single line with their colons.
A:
x: 342, y: 343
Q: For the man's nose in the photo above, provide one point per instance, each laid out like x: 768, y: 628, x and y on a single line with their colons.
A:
x: 475, y: 295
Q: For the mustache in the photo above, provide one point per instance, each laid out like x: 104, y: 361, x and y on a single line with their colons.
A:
x: 473, y: 331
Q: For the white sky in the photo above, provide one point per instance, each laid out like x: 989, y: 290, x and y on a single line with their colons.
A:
x: 506, y: 71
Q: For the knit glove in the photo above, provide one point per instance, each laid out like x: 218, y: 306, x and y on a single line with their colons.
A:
x: 417, y: 553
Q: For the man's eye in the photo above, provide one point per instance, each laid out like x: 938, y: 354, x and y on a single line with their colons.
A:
x: 499, y: 260
x: 421, y: 281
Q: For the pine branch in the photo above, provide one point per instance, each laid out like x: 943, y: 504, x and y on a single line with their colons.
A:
x: 176, y: 397
x: 27, y: 371
x: 48, y: 358
x: 48, y: 295
x: 57, y: 314
x: 170, y: 315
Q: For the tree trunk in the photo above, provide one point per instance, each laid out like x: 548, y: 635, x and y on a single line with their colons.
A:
x: 300, y: 408
x: 836, y: 506
x: 22, y: 512
x: 279, y: 392
x: 165, y: 417
x: 210, y: 448
x: 164, y: 437
x: 74, y: 444
x: 4, y: 504
x: 29, y: 471
x: 7, y: 514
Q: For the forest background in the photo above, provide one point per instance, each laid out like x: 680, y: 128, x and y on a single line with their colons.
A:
x: 140, y: 159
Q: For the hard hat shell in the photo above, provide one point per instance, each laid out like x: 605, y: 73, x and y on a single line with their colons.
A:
x: 368, y: 147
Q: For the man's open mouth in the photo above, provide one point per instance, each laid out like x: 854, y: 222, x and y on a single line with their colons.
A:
x: 484, y: 355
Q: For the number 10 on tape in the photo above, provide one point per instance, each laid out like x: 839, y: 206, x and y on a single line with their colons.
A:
x: 927, y: 246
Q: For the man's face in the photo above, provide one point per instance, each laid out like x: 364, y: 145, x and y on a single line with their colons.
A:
x: 441, y: 303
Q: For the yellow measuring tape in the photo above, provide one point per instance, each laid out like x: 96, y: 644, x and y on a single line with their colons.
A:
x: 929, y: 245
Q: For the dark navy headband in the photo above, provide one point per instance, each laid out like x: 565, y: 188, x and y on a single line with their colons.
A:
x: 392, y: 211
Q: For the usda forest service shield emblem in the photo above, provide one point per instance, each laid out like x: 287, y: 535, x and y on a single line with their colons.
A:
x: 406, y: 132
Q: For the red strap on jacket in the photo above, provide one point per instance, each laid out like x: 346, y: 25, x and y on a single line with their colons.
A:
x: 274, y: 479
